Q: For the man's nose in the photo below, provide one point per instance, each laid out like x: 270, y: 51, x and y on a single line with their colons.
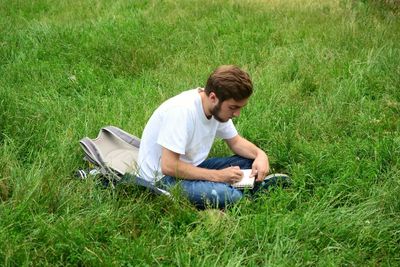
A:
x: 236, y: 113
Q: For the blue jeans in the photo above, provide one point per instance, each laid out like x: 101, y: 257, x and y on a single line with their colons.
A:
x: 205, y: 193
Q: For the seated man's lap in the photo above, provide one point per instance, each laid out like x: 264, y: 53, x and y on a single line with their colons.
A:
x: 202, y: 193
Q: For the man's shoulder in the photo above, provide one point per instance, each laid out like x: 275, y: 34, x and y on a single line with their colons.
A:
x: 191, y: 94
x: 185, y: 100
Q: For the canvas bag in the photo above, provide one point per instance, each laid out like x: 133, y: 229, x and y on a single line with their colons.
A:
x: 115, y: 153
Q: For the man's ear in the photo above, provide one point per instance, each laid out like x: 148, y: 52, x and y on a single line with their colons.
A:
x: 213, y: 97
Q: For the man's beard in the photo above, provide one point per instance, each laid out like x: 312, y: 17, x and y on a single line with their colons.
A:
x: 216, y: 111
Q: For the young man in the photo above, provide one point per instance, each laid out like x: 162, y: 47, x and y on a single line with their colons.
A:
x: 178, y: 137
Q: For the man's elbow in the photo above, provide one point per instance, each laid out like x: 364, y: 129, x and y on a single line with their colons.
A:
x: 169, y: 162
x: 167, y: 168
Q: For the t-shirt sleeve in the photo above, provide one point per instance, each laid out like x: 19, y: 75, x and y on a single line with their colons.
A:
x: 226, y: 130
x: 174, y: 129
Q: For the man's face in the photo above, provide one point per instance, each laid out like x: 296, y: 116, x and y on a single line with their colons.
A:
x: 223, y: 111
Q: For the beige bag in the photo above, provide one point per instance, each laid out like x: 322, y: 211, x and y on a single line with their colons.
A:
x: 115, y: 153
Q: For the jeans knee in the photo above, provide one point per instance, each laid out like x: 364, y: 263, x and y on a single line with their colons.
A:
x: 205, y: 194
x: 221, y: 196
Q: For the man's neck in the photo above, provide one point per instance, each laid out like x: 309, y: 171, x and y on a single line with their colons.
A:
x: 205, y: 103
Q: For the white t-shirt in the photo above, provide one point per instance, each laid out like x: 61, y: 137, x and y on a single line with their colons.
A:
x: 181, y: 126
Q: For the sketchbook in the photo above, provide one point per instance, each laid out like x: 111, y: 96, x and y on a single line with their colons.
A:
x: 247, y: 182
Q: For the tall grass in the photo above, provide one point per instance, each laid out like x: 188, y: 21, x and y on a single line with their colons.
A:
x: 326, y: 109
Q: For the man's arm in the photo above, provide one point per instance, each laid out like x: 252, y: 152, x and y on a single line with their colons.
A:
x: 171, y: 165
x: 245, y: 148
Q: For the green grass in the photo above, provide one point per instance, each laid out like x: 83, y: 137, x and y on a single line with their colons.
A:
x: 326, y: 109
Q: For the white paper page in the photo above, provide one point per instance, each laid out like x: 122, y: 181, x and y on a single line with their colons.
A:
x: 247, y: 181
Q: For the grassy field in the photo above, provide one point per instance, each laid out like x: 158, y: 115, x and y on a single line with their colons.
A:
x: 326, y: 109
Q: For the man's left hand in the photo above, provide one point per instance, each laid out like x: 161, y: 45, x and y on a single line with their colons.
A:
x: 260, y: 167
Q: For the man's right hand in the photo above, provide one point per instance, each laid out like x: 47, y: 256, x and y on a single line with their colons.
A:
x: 229, y: 175
x: 171, y: 165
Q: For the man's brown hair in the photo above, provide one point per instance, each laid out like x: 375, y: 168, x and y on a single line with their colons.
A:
x: 229, y: 81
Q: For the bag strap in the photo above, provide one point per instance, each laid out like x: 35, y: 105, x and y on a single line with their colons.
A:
x: 91, y: 151
x: 93, y: 154
x: 124, y: 136
x: 129, y: 178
